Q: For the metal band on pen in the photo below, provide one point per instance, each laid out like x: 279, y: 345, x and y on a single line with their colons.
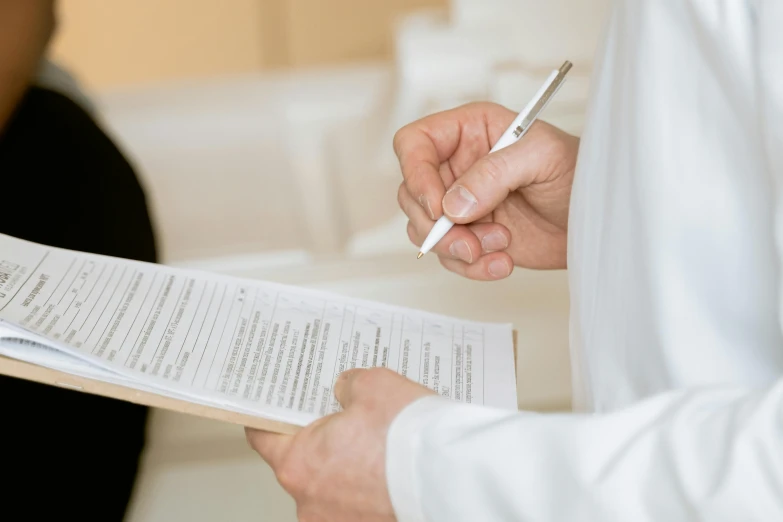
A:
x: 544, y: 100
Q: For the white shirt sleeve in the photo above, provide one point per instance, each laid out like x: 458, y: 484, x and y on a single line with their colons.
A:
x: 705, y: 454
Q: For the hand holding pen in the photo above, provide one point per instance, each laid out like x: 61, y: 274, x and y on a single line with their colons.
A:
x: 510, y: 206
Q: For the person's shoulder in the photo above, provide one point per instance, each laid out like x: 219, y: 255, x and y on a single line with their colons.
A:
x: 54, y: 77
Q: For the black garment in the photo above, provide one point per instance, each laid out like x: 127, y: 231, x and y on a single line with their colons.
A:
x: 67, y: 454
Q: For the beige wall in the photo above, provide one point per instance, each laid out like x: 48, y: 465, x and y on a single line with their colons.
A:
x: 123, y: 42
x: 127, y: 42
x: 328, y: 31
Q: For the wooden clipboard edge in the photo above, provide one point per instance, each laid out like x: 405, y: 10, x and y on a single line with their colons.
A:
x: 32, y: 372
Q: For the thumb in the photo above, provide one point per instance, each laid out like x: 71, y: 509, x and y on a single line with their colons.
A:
x: 273, y: 447
x: 371, y: 385
x: 489, y: 181
x: 345, y: 388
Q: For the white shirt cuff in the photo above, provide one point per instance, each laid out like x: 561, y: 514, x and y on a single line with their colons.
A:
x: 402, y: 447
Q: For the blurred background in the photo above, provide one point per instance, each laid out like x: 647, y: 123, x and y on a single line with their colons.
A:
x: 262, y: 132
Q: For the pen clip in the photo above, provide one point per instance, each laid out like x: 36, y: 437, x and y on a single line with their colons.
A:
x: 541, y: 104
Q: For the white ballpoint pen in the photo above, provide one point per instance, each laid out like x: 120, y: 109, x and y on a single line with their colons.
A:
x: 514, y: 133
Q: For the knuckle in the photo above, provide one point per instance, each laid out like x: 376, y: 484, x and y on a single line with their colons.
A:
x: 402, y: 192
x: 493, y: 169
x: 418, y: 175
x: 449, y: 264
x: 398, y: 142
x: 365, y: 378
x: 552, y: 141
x: 541, y: 128
x: 413, y: 234
x: 558, y: 155
x: 369, y: 383
x: 369, y: 378
x: 477, y: 106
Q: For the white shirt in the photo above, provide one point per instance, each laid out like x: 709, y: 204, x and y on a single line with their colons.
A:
x: 675, y: 254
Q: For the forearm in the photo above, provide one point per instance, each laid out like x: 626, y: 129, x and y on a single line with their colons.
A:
x: 26, y: 26
x: 691, y: 455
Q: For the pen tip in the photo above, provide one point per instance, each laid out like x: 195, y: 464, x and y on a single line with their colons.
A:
x: 420, y: 255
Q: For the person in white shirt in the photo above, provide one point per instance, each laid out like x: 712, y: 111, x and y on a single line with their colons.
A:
x: 668, y: 214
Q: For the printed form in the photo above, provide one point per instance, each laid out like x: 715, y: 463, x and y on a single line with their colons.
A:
x: 261, y: 348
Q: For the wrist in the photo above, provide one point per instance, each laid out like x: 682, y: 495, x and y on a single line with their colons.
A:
x: 402, y: 446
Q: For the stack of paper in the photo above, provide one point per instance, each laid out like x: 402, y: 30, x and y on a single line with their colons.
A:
x: 249, y: 352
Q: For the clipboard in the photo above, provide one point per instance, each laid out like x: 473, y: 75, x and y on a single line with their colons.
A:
x: 32, y: 372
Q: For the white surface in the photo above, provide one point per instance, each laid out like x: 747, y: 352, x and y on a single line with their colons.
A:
x: 247, y: 165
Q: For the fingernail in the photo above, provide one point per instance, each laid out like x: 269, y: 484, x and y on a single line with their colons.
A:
x: 461, y: 250
x: 499, y: 268
x: 344, y: 378
x: 459, y: 202
x: 346, y: 375
x: 424, y: 202
x: 342, y: 388
x: 494, y: 241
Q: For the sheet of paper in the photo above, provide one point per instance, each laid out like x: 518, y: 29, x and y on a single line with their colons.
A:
x: 262, y: 348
